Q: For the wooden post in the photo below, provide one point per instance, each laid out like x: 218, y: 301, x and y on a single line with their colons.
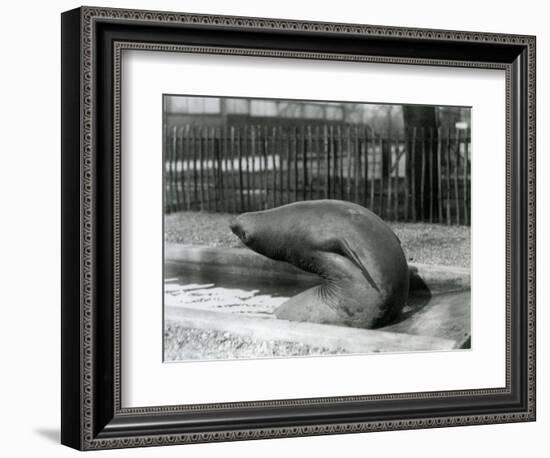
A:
x: 366, y: 165
x: 220, y: 198
x: 231, y: 161
x: 288, y: 163
x: 186, y: 161
x: 166, y: 170
x: 319, y: 156
x: 448, y: 177
x: 354, y: 170
x: 413, y: 170
x: 327, y: 160
x: 310, y: 155
x: 339, y: 145
x: 237, y: 134
x: 389, y: 197
x: 466, y: 183
x: 396, y: 184
x: 304, y: 164
x: 280, y: 143
x: 295, y: 161
x: 431, y: 197
x: 225, y: 170
x: 423, y: 174
x: 372, y: 167
x: 274, y: 164
x: 381, y: 186
x: 181, y: 162
x: 173, y: 178
x: 457, y: 154
x: 407, y: 167
x: 440, y: 194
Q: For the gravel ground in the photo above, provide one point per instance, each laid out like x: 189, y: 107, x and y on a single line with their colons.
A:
x: 185, y: 343
x: 422, y: 242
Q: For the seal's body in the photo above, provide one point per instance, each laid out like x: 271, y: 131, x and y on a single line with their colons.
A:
x: 365, y: 279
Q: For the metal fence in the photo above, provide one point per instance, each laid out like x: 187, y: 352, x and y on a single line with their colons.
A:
x: 421, y: 176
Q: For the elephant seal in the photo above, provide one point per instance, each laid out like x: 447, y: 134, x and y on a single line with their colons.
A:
x: 363, y: 270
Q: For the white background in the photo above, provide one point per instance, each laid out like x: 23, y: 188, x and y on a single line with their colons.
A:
x: 146, y: 76
x: 30, y: 245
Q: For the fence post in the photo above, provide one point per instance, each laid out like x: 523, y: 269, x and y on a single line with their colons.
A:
x: 327, y: 160
x: 448, y: 177
x: 408, y: 147
x: 372, y: 167
x: 412, y: 171
x: 396, y: 184
x: 439, y: 187
x: 465, y: 179
x: 381, y: 187
x: 457, y: 153
x: 310, y: 155
x: 423, y: 174
x: 431, y: 175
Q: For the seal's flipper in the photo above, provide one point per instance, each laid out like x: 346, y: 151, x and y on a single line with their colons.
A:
x: 343, y: 248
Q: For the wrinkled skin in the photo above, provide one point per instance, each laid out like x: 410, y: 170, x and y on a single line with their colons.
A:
x: 364, y: 272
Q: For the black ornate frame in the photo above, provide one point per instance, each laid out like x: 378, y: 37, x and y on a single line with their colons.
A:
x: 92, y: 42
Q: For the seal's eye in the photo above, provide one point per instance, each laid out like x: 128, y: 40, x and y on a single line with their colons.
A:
x: 243, y: 236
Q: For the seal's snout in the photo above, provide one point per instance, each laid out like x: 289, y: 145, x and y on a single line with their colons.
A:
x: 235, y: 227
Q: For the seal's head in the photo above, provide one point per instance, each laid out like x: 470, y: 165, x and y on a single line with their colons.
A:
x: 257, y: 231
x: 245, y: 227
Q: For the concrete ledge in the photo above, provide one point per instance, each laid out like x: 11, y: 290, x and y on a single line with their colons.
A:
x: 242, y: 261
x: 350, y: 340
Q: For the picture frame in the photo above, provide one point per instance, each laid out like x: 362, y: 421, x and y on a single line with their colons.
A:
x: 93, y: 416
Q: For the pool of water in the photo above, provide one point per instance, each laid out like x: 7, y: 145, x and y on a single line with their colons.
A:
x: 443, y: 315
x: 216, y: 290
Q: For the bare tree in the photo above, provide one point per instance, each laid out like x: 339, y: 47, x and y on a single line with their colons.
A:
x: 424, y: 119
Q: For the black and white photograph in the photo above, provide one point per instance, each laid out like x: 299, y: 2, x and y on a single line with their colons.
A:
x: 301, y: 228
